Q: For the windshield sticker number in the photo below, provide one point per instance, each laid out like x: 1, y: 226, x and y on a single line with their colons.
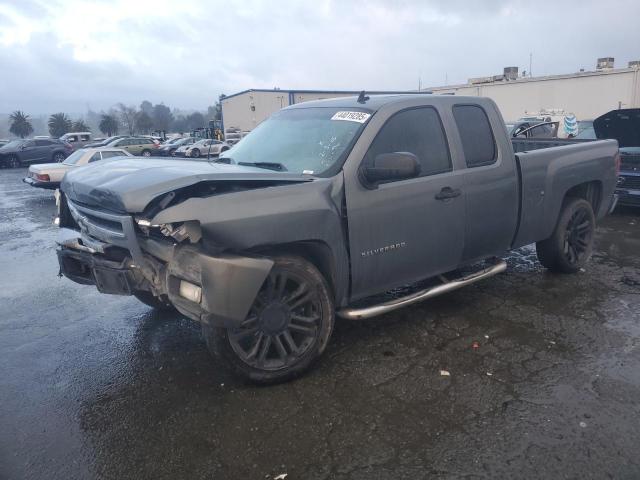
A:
x: 359, y: 117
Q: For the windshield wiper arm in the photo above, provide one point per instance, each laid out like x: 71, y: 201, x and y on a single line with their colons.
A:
x: 278, y: 167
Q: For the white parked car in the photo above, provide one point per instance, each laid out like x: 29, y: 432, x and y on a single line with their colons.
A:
x: 49, y: 175
x: 203, y: 148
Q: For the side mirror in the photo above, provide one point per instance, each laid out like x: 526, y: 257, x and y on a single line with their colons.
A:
x: 392, y: 166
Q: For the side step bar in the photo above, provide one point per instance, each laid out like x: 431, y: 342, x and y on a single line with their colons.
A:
x: 496, y: 267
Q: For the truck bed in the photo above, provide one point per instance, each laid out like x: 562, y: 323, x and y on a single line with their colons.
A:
x: 548, y: 168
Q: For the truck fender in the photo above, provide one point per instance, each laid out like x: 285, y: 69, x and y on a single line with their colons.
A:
x: 229, y: 284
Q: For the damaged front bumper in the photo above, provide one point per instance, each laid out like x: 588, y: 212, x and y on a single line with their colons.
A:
x: 109, y: 253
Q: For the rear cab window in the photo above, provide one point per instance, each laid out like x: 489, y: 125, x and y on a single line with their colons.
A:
x: 476, y: 135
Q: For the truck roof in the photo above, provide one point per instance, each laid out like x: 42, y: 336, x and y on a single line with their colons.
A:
x: 375, y: 102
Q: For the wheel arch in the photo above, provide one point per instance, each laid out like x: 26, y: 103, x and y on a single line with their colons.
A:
x: 320, y: 255
x: 590, y: 191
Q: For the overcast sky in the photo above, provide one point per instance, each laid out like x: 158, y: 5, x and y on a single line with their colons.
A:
x: 67, y: 55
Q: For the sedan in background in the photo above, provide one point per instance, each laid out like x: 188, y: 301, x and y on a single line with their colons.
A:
x: 49, y: 175
x: 169, y: 148
x: 206, y: 147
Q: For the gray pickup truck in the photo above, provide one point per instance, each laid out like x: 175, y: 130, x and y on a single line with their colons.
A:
x: 322, y: 208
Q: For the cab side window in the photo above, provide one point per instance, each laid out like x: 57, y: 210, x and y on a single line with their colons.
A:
x: 478, y: 144
x: 95, y: 157
x: 84, y: 138
x: 418, y: 131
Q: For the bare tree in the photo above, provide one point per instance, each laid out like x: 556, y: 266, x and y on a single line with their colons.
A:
x: 127, y: 117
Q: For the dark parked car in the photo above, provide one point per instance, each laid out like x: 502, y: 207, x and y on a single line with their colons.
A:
x: 323, y: 207
x: 623, y: 125
x: 168, y: 149
x: 23, y: 152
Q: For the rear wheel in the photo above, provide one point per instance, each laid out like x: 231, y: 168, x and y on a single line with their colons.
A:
x: 286, y: 330
x: 58, y: 157
x: 154, y: 302
x: 571, y: 244
x: 146, y: 153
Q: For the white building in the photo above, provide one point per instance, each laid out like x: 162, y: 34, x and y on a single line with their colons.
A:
x: 245, y: 110
x: 585, y: 94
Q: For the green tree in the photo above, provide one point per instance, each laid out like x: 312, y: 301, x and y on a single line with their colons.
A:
x: 162, y: 117
x: 127, y: 116
x: 59, y: 124
x: 143, y: 122
x: 20, y: 124
x: 80, y: 126
x: 108, y: 125
x: 195, y: 120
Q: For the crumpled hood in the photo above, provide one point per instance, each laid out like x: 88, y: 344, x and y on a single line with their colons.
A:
x: 129, y: 185
x: 622, y: 125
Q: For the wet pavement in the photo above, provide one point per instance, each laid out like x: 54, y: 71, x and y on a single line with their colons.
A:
x: 95, y: 386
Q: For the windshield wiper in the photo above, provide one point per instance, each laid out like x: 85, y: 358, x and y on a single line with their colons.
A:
x: 278, y: 167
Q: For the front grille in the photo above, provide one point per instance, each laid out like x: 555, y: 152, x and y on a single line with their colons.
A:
x: 103, y: 226
x: 630, y: 162
x: 629, y: 182
x: 101, y: 230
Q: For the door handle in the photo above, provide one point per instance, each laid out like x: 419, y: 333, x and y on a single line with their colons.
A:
x: 447, y: 193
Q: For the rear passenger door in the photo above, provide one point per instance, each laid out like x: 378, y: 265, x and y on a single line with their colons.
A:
x: 490, y: 182
x: 403, y: 231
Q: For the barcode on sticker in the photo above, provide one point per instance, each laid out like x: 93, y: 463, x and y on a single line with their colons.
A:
x: 359, y: 117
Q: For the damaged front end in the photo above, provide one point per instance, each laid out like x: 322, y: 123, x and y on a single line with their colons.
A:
x: 123, y: 255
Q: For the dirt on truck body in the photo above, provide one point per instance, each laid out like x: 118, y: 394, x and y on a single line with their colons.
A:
x: 321, y: 208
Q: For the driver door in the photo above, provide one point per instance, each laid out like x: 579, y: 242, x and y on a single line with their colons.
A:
x: 406, y: 230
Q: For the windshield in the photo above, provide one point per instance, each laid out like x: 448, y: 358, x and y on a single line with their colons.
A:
x: 303, y: 140
x: 74, y: 157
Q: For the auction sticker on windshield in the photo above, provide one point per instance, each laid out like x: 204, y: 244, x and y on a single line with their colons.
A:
x: 359, y: 117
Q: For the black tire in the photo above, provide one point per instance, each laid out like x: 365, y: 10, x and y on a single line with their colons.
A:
x: 568, y: 249
x: 154, y: 302
x: 195, y: 153
x: 58, y: 157
x: 146, y: 153
x: 13, y: 162
x: 286, y: 330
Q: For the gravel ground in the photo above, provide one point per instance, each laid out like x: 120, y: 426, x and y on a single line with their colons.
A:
x: 95, y: 386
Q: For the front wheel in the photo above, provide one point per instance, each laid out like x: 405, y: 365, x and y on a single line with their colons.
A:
x: 195, y: 153
x: 287, y: 328
x: 570, y: 246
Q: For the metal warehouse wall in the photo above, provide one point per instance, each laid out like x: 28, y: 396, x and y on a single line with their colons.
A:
x: 246, y: 110
x: 587, y: 95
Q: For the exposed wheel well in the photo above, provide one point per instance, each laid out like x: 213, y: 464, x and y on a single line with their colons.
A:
x: 316, y: 252
x: 590, y: 191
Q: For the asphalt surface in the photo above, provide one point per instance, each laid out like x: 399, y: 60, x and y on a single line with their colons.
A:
x: 95, y: 386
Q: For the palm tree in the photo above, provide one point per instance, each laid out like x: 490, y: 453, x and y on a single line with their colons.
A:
x: 108, y: 125
x: 80, y: 126
x: 20, y: 124
x: 59, y: 124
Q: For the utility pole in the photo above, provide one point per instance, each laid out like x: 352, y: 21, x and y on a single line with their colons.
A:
x: 530, y: 61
